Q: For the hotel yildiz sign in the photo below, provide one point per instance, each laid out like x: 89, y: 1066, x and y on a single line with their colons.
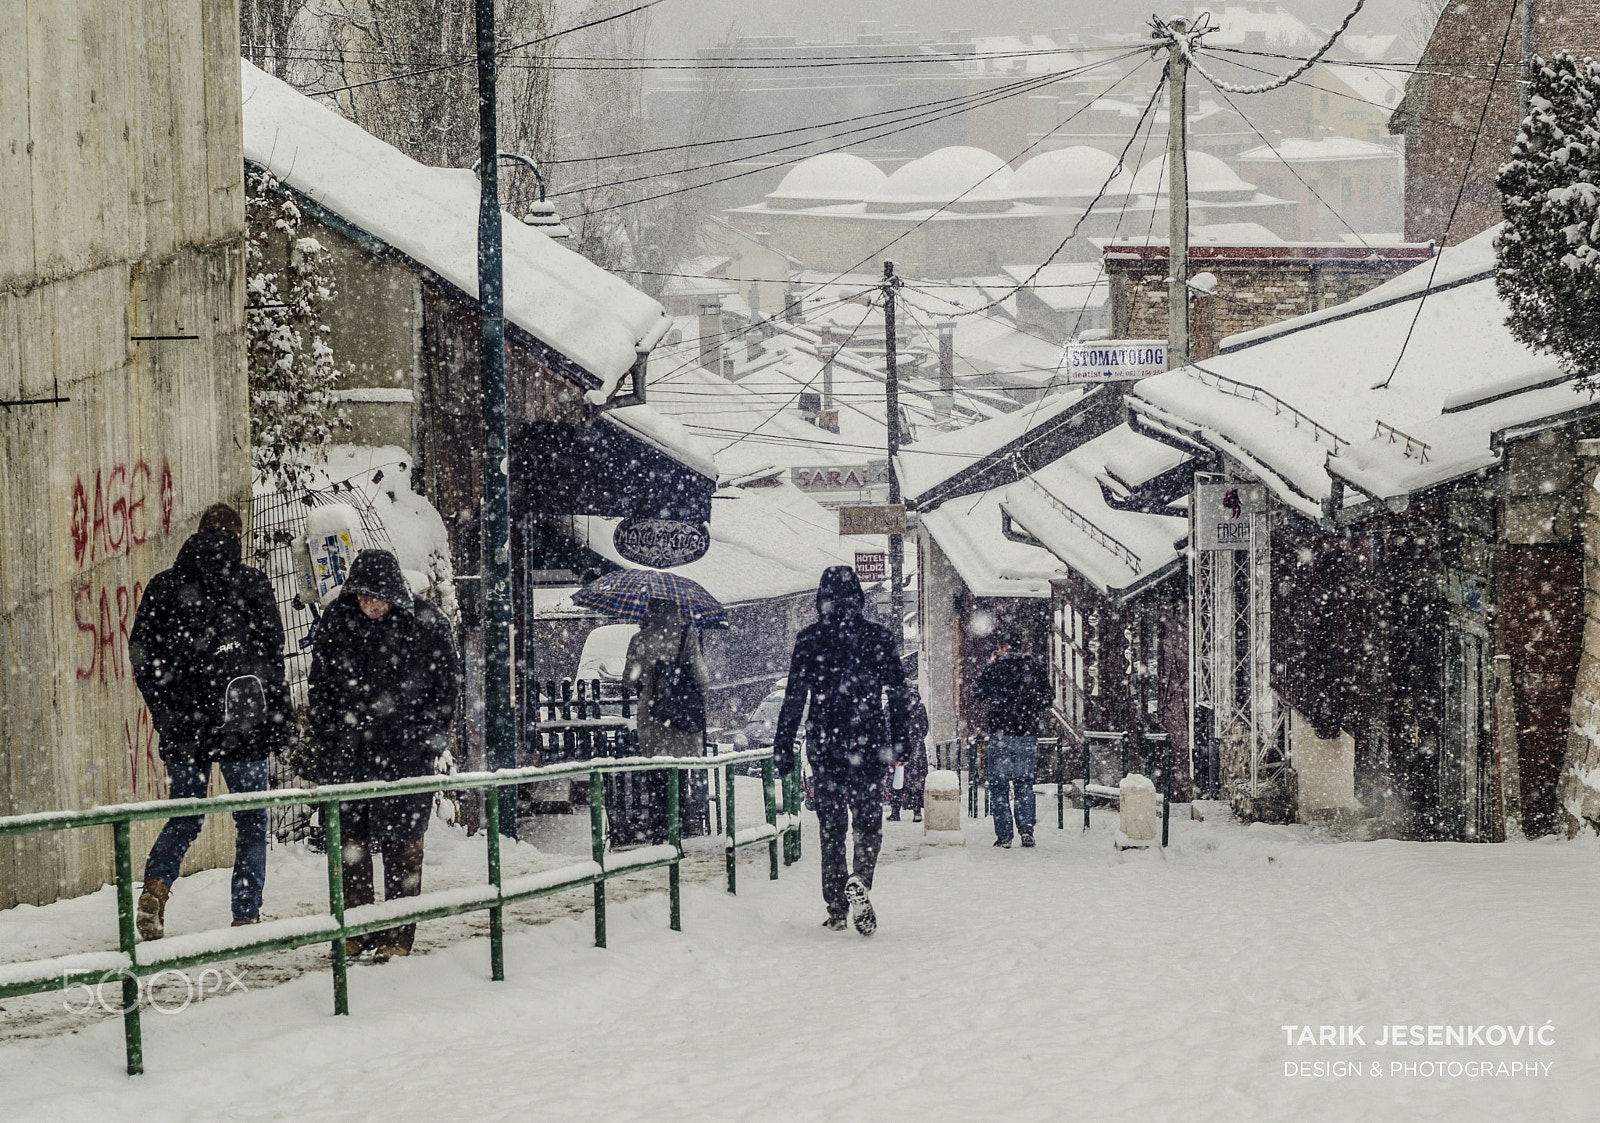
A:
x: 1222, y: 515
x: 1115, y: 360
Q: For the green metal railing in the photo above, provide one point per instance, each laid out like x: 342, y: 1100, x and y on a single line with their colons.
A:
x: 134, y: 960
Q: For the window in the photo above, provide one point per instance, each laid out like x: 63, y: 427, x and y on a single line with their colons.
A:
x: 1068, y: 664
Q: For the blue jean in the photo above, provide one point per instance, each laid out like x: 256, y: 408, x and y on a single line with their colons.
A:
x: 188, y: 780
x: 1008, y: 765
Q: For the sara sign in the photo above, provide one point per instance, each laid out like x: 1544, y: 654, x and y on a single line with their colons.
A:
x: 1222, y: 515
x: 853, y: 477
x: 1120, y: 360
x: 661, y: 543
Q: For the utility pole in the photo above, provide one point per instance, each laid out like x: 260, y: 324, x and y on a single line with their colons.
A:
x: 891, y: 386
x: 1177, y: 200
x: 499, y: 730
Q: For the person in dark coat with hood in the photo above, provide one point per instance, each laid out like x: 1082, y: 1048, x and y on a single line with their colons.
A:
x: 384, y: 681
x: 914, y: 776
x: 848, y: 670
x: 207, y: 654
x: 1014, y: 691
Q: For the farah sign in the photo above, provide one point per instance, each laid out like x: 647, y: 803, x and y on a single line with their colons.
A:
x: 1120, y: 360
x: 661, y: 543
x: 1222, y: 515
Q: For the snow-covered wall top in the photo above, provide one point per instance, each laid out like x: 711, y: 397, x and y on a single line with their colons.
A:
x: 431, y: 215
x: 1289, y: 393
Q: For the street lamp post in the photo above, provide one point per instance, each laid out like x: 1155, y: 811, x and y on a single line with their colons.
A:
x: 499, y: 730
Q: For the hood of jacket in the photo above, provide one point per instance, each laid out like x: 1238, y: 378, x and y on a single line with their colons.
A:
x: 210, y: 557
x: 839, y: 594
x: 376, y: 573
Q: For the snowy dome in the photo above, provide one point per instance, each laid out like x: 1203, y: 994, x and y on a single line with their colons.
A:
x: 1069, y: 174
x: 1210, y: 180
x: 828, y: 179
x: 958, y: 179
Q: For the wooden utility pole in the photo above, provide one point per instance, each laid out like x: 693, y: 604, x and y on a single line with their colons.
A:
x: 1177, y: 201
x: 891, y: 386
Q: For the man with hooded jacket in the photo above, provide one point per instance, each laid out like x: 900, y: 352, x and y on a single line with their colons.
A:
x: 848, y: 669
x: 207, y: 655
x: 382, y: 690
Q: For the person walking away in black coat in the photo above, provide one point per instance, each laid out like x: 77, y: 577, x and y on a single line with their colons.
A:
x: 912, y: 772
x: 1014, y: 691
x: 207, y: 655
x: 847, y: 668
x: 384, y: 681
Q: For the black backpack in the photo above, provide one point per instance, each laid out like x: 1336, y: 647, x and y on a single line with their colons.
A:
x: 676, y: 699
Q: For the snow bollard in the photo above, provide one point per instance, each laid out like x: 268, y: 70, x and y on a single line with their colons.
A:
x: 941, y: 809
x: 1139, y: 827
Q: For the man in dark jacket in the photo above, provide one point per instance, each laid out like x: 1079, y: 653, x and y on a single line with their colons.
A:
x: 383, y: 686
x: 207, y: 654
x: 1014, y: 691
x: 856, y: 726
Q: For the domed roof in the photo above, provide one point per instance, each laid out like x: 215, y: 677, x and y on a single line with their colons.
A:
x: 1209, y: 179
x: 833, y: 177
x: 1075, y: 173
x: 959, y: 178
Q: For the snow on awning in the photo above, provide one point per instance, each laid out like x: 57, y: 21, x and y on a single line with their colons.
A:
x: 431, y: 216
x: 1062, y: 505
x: 970, y: 532
x: 1300, y: 403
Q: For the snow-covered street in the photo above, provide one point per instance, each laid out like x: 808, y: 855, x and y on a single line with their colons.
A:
x: 1056, y: 983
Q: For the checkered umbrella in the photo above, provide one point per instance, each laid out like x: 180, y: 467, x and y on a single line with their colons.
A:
x: 625, y: 594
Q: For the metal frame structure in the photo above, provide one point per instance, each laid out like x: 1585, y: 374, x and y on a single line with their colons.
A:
x: 1231, y: 656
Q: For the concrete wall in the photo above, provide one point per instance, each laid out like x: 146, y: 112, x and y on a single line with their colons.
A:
x: 121, y: 215
x: 1578, y: 790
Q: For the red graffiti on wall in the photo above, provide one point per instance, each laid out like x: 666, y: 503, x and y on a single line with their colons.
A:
x: 118, y: 515
x: 144, y: 763
x: 104, y: 622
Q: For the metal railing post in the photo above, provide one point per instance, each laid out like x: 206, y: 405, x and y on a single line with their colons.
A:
x: 675, y: 840
x: 1086, y: 783
x: 133, y: 1037
x: 597, y: 835
x: 1123, y: 738
x: 1061, y: 794
x: 497, y: 944
x: 334, y: 838
x: 791, y: 804
x: 1166, y: 803
x: 733, y: 854
x: 771, y: 798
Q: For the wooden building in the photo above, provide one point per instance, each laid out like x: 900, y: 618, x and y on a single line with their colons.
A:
x: 1391, y: 628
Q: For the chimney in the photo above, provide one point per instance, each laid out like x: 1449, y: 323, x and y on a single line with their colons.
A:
x: 711, y: 334
x: 945, y: 402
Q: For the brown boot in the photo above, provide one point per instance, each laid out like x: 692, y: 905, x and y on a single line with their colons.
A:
x: 152, y: 917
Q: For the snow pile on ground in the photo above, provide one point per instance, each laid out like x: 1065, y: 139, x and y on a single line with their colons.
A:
x: 1043, y: 984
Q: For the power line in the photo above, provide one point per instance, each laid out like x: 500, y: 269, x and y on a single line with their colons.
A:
x: 1187, y: 40
x: 1466, y: 176
x: 471, y: 60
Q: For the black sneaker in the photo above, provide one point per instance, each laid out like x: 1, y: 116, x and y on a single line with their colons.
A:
x: 1027, y: 839
x: 836, y: 923
x: 1003, y: 843
x: 855, y: 890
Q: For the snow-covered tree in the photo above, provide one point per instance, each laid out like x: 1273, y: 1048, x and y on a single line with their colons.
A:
x: 1549, y: 251
x: 291, y: 368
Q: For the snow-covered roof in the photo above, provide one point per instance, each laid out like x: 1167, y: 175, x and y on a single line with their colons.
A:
x: 431, y: 215
x: 665, y: 434
x: 1281, y: 398
x: 1382, y: 87
x: 765, y: 542
x: 832, y: 177
x: 1241, y: 234
x: 968, y: 531
x: 1299, y: 149
x: 959, y: 176
x: 1209, y: 179
x: 1063, y: 506
x: 1267, y: 22
x: 930, y: 462
x: 1076, y: 173
x: 1068, y: 286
